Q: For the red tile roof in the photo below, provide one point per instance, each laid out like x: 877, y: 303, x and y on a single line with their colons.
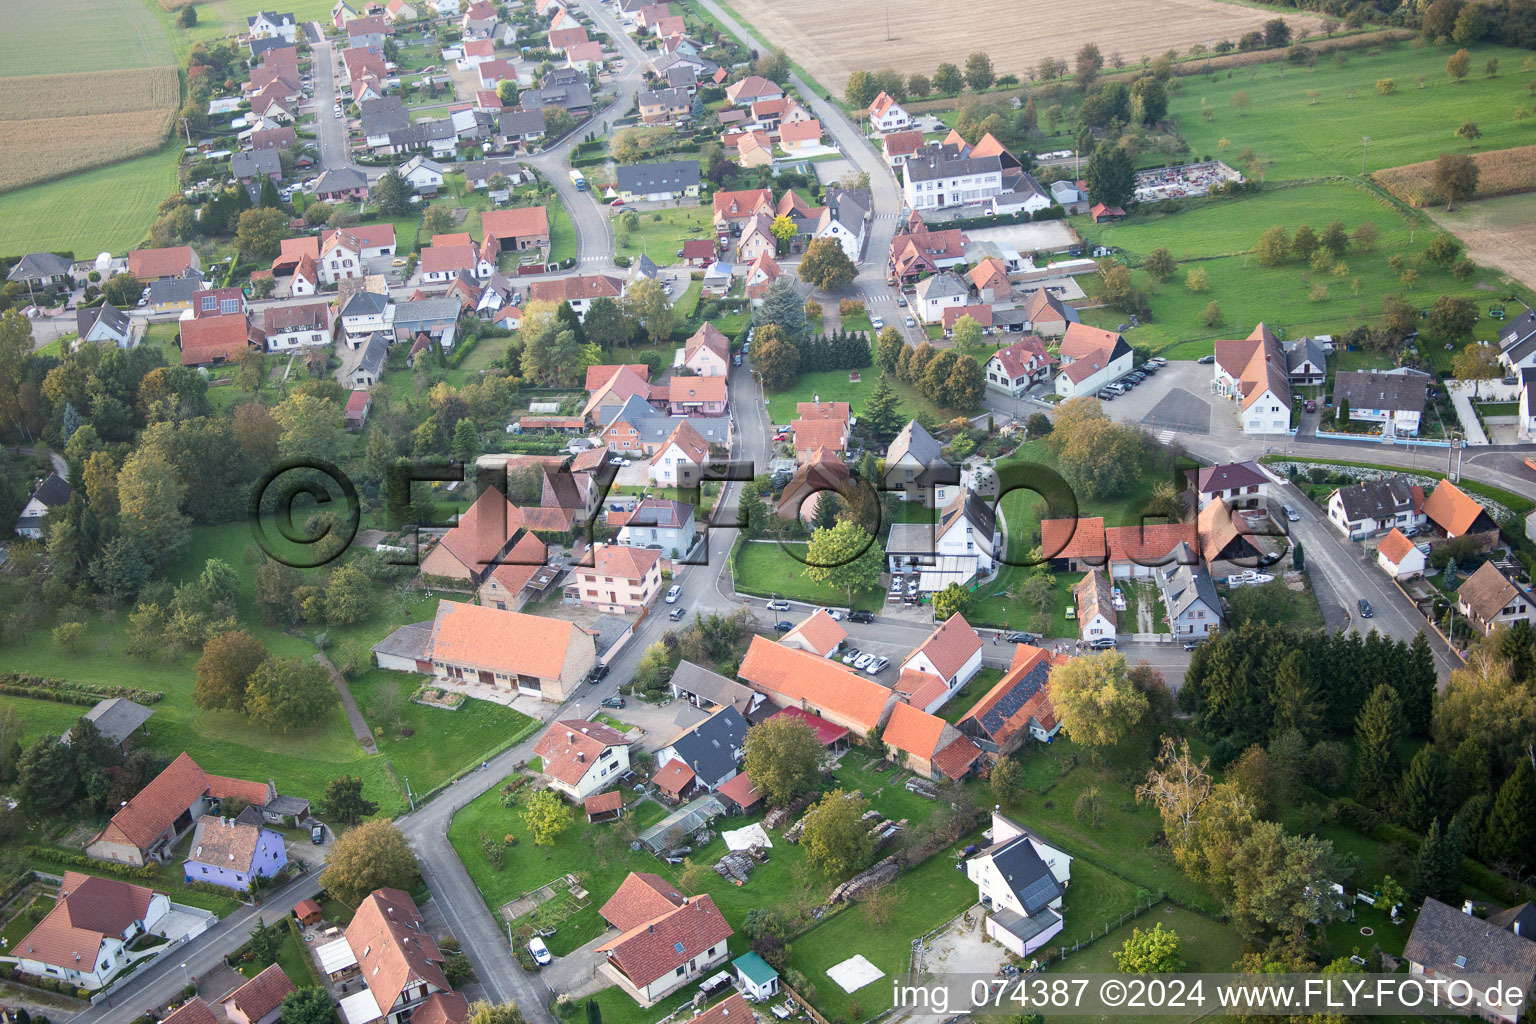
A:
x: 828, y: 732
x: 819, y: 630
x: 574, y: 289
x: 699, y: 249
x: 950, y: 646
x: 167, y: 796
x: 1081, y: 539
x: 1149, y: 543
x: 1024, y: 356
x: 208, y: 338
x: 800, y: 131
x: 981, y: 313
x: 902, y: 143
x: 441, y: 1008
x: 621, y: 561
x: 393, y: 947
x: 733, y: 1009
x: 261, y: 995
x: 956, y: 759
x: 926, y: 687
x: 523, y: 222
x: 573, y: 745
x: 674, y: 777
x: 89, y: 909
x: 690, y: 390
x: 741, y: 205
x: 601, y: 374
x: 193, y: 1011
x: 641, y: 897
x: 149, y: 264
x: 1394, y: 546
x: 1036, y: 706
x: 658, y: 947
x: 740, y: 791
x: 494, y: 640
x: 798, y: 677
x: 1451, y: 509
x: 602, y: 803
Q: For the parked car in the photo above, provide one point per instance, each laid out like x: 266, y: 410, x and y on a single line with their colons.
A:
x: 783, y: 626
x: 1192, y: 644
x: 837, y: 616
x: 911, y: 322
x: 901, y: 300
x: 1291, y: 514
x: 778, y: 604
x: 613, y: 702
x: 674, y: 592
x: 1021, y: 638
x: 1365, y: 608
x: 851, y: 655
x: 863, y: 661
x: 877, y: 666
x: 1309, y: 405
x: 1206, y: 360
x: 1102, y: 643
x: 541, y: 953
x: 861, y: 616
x: 317, y: 833
x: 677, y: 613
x: 876, y: 322
x: 598, y: 673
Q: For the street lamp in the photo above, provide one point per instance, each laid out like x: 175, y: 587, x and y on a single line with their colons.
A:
x: 186, y: 979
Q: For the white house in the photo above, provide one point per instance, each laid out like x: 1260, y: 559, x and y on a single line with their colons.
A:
x: 937, y: 177
x: 343, y: 253
x: 1395, y: 400
x: 1373, y: 506
x: 1020, y: 879
x: 937, y: 293
x: 1527, y: 403
x: 288, y: 327
x: 364, y: 313
x: 1091, y: 358
x: 951, y: 654
x: 916, y: 470
x: 1014, y: 369
x: 1239, y: 484
x: 681, y: 460
x: 886, y: 115
x: 104, y: 323
x: 843, y: 218
x: 1399, y: 557
x: 53, y: 492
x: 964, y: 543
x: 1254, y: 373
x: 581, y: 758
x: 425, y: 176
x: 83, y: 940
x: 818, y: 633
x: 1488, y: 598
x: 1517, y: 341
x: 711, y: 749
x: 1190, y: 600
x: 1095, y: 596
x: 659, y: 523
x: 271, y: 25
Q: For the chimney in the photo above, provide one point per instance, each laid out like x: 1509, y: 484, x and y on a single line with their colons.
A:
x: 1466, y: 908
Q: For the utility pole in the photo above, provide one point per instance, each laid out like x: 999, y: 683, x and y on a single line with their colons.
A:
x: 186, y: 127
x: 887, y: 22
x: 1365, y: 146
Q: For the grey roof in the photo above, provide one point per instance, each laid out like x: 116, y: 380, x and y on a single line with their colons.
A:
x: 563, y: 76
x: 384, y: 115
x: 175, y: 289
x: 86, y: 319
x: 610, y: 629
x: 567, y: 97
x: 364, y: 303
x: 1066, y: 192
x: 340, y: 181
x: 117, y: 718
x: 848, y: 206
x: 644, y: 267
x: 261, y: 46
x: 682, y: 75
x: 713, y: 687
x: 1520, y: 919
x: 973, y: 508
x: 915, y: 441
x: 426, y: 310
x: 1519, y: 331
x: 284, y: 805
x: 1021, y: 188
x: 1448, y: 941
x: 1183, y: 585
x: 661, y: 513
x: 272, y: 16
x: 1366, y: 389
x: 423, y: 132
x: 940, y: 285
x: 1376, y: 499
x: 706, y: 66
x: 939, y: 161
x: 35, y: 266
x: 258, y: 163
x: 1024, y: 928
x: 655, y: 427
x: 996, y: 717
x: 668, y: 176
x: 520, y: 122
x: 484, y: 170
x: 710, y: 747
x: 375, y: 351
x: 910, y: 539
x: 419, y: 161
x: 1305, y: 350
x: 1027, y: 875
x: 665, y: 97
x: 409, y: 641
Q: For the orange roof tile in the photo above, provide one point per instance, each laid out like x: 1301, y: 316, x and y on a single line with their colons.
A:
x: 149, y: 264
x: 1081, y: 539
x: 498, y: 641
x: 674, y: 777
x: 1394, y: 546
x: 523, y: 222
x: 441, y: 1008
x: 798, y: 676
x: 930, y: 688
x: 658, y: 947
x: 602, y: 803
x: 573, y: 745
x: 393, y: 947
x: 1451, y: 509
x: 688, y: 390
x: 1010, y: 705
x: 1149, y: 543
x: 913, y: 731
x: 261, y: 995
x: 193, y: 1011
x: 641, y: 897
x: 955, y: 759
x: 621, y: 561
x: 950, y: 646
x: 820, y: 630
x: 89, y: 909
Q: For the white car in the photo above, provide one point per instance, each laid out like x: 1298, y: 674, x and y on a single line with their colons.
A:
x: 674, y: 593
x: 864, y: 661
x: 541, y: 953
x: 877, y: 666
x: 837, y: 616
x: 852, y: 656
x: 876, y: 322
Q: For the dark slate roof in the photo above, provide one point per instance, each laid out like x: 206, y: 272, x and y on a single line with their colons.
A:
x: 117, y: 718
x: 564, y: 76
x: 37, y: 265
x: 384, y: 115
x: 709, y: 747
x: 914, y: 440
x: 53, y: 491
x: 938, y: 161
x: 1519, y: 919
x: 668, y: 176
x: 484, y: 170
x: 1183, y: 585
x: 567, y: 97
x: 175, y: 289
x: 1367, y: 389
x: 375, y: 351
x: 972, y: 506
x: 644, y: 267
x: 87, y: 317
x: 340, y: 180
x: 660, y: 512
x: 665, y: 97
x: 1008, y: 705
x: 409, y: 641
x: 1521, y: 328
x: 1027, y: 875
x: 423, y: 132
x: 520, y: 122
x: 1024, y: 928
x: 682, y: 75
x: 1448, y: 941
x: 1305, y: 350
x: 1376, y: 499
x: 365, y: 304
x: 424, y: 310
x: 257, y: 163
x: 1227, y: 476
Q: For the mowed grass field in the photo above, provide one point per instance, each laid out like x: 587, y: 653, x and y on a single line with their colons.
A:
x: 108, y: 208
x: 1296, y: 138
x: 1497, y: 232
x: 1220, y: 237
x: 920, y: 36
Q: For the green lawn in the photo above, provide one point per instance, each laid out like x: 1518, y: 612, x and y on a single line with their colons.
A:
x: 1204, y: 944
x: 291, y: 958
x: 764, y: 568
x: 1296, y: 139
x: 834, y: 386
x: 106, y: 209
x: 562, y: 234
x: 970, y: 693
x: 662, y: 232
x: 25, y: 919
x: 1220, y: 236
x: 100, y: 35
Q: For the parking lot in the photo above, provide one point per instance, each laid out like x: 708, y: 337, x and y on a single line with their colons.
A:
x: 1176, y: 398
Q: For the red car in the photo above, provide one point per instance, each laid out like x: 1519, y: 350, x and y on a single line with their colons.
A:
x: 1310, y: 406
x: 781, y: 436
x: 617, y: 202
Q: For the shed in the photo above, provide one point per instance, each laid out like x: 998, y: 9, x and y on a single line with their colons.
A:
x: 741, y: 792
x: 604, y: 806
x: 307, y: 911
x: 337, y: 961
x: 758, y: 980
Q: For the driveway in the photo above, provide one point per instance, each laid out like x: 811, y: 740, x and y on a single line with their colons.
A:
x: 576, y: 974
x: 659, y: 723
x: 1176, y: 398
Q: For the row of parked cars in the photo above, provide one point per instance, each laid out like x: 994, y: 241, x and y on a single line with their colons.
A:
x: 1111, y: 391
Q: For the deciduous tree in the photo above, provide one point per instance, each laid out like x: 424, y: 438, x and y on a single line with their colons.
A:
x: 844, y: 557
x: 1155, y: 951
x: 287, y: 694
x: 371, y: 856
x: 344, y: 803
x: 224, y: 670
x: 307, y: 1006
x: 978, y: 72
x: 546, y: 816
x: 1095, y: 699
x: 783, y: 760
x: 836, y: 836
x: 1458, y: 64
x: 1159, y: 264
x: 826, y: 266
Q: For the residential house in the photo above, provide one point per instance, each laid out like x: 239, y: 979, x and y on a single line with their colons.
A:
x: 1240, y: 484
x: 369, y: 367
x: 1488, y: 598
x: 698, y: 396
x: 344, y: 252
x: 434, y: 318
x: 949, y: 657
x: 1094, y: 597
x: 821, y: 424
x: 527, y: 654
x: 158, y: 264
x: 103, y: 323
x: 700, y: 252
x: 580, y: 758
x: 718, y: 279
x: 1446, y: 944
x: 520, y: 129
x: 288, y: 326
x: 397, y: 11
x: 989, y: 281
x: 963, y: 544
x: 1395, y: 400
x: 757, y: 238
x: 665, y: 106
x: 707, y: 352
x: 820, y: 686
x: 584, y: 56
x: 1517, y: 342
x: 209, y: 341
x: 818, y: 633
x: 660, y: 524
x: 145, y: 828
x: 489, y: 533
x: 940, y: 176
x: 621, y: 580
x: 916, y: 470
x: 575, y: 98
x: 246, y: 167
x: 936, y: 294
x: 752, y: 89
x: 578, y: 292
x: 218, y: 302
x: 520, y: 230
x: 1190, y: 601
x: 193, y: 1011
x: 356, y: 413
x: 710, y: 691
x: 1223, y: 536
x: 844, y: 218
x: 399, y: 961
x: 614, y: 395
x: 368, y: 31
x: 478, y: 174
x: 173, y: 294
x: 1016, y: 368
x: 927, y: 745
x: 1454, y: 513
x: 341, y: 186
x: 982, y: 315
x: 274, y: 138
x: 41, y: 270
x: 1021, y: 880
x: 83, y: 941
x: 899, y: 147
x: 1253, y: 372
x: 365, y: 312
x: 886, y: 115
x: 1017, y: 707
x: 1306, y: 361
x: 305, y: 279
x: 234, y: 852
x: 560, y: 38
x: 761, y: 274
x: 798, y: 137
x: 658, y: 182
x: 732, y: 209
x: 424, y: 176
x: 447, y: 262
x: 1400, y: 557
x: 680, y: 460
x: 665, y: 941
x: 819, y: 471
x: 54, y: 492
x: 710, y: 751
x: 753, y: 148
x: 260, y: 1000
x: 1021, y: 191
x: 1372, y: 506
x: 915, y: 253
x: 1091, y: 358
x: 271, y: 25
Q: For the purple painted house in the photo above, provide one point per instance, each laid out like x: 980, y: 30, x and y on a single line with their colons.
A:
x: 233, y: 851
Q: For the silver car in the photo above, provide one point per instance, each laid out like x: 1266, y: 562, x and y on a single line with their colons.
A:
x: 877, y: 666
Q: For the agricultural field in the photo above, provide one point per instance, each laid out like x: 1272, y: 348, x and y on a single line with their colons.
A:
x: 107, y: 208
x: 1298, y: 135
x: 1497, y: 233
x: 1220, y: 237
x: 1500, y: 172
x: 831, y: 48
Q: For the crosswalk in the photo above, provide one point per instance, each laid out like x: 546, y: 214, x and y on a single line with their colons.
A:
x: 1166, y: 436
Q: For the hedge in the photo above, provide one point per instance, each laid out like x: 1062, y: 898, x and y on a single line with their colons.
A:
x: 66, y: 692
x: 70, y: 858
